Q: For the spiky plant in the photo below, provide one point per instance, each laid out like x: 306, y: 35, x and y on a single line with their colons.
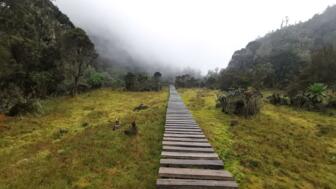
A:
x: 317, y: 92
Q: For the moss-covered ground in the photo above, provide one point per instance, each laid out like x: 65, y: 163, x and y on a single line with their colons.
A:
x: 280, y: 148
x: 71, y: 144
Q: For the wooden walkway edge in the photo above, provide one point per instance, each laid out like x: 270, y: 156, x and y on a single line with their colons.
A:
x: 187, y: 160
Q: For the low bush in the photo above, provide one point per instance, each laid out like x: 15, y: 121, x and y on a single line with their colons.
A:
x: 240, y: 102
x: 315, y: 97
x: 279, y: 99
x: 96, y: 79
x: 15, y: 102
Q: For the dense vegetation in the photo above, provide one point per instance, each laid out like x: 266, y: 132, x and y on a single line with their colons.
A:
x: 240, y: 101
x: 281, y: 147
x: 41, y: 53
x: 291, y: 58
x: 72, y: 144
x: 142, y: 82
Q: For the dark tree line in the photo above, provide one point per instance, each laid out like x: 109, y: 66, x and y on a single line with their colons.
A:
x: 143, y: 82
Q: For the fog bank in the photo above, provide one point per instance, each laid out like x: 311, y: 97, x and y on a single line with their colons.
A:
x: 199, y: 34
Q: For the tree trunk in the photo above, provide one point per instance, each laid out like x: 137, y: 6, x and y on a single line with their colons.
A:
x: 75, y: 87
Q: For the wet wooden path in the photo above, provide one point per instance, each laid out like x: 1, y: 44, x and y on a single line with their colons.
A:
x: 187, y: 160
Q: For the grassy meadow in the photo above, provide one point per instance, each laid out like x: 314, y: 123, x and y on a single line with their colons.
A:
x: 71, y: 144
x: 280, y: 148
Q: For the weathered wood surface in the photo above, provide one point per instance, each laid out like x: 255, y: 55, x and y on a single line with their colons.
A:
x: 195, y: 184
x: 184, y: 135
x: 185, y: 173
x: 189, y: 155
x: 184, y: 139
x: 191, y: 163
x: 186, y: 149
x: 187, y: 160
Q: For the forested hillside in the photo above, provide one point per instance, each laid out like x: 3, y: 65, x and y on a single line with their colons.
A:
x: 294, y: 56
x: 41, y: 53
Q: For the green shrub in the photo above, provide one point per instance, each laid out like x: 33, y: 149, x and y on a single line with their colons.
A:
x: 314, y: 98
x: 26, y: 106
x: 278, y: 99
x: 302, y: 101
x: 332, y: 100
x: 240, y: 102
x: 317, y: 92
x: 96, y: 79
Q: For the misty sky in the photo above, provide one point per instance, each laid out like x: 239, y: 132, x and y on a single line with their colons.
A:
x: 201, y: 34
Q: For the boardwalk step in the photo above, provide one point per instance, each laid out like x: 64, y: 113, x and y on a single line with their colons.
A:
x: 186, y: 149
x: 175, y: 123
x: 184, y: 132
x: 182, y: 125
x: 186, y: 144
x: 202, y: 174
x: 184, y: 136
x: 187, y: 163
x: 182, y: 129
x: 189, y: 155
x: 184, y: 139
x: 194, y: 184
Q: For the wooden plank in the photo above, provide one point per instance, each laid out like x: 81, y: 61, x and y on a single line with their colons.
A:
x: 184, y: 139
x: 202, y: 174
x: 186, y: 144
x: 187, y: 120
x: 189, y: 155
x: 183, y: 136
x: 179, y: 121
x: 183, y: 129
x: 186, y: 149
x: 194, y: 184
x: 184, y: 132
x: 184, y: 163
x: 181, y: 124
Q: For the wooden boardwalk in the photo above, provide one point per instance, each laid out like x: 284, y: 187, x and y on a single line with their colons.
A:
x: 187, y: 159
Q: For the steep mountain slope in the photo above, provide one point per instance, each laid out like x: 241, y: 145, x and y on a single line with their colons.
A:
x: 284, y: 55
x: 41, y: 52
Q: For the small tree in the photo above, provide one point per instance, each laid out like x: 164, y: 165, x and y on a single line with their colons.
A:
x: 79, y: 53
x: 130, y: 81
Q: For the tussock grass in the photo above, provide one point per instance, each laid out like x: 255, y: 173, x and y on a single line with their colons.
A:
x: 72, y: 144
x: 281, y: 147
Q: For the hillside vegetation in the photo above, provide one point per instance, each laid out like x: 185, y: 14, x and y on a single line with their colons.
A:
x: 41, y: 53
x: 72, y: 144
x: 291, y: 58
x: 281, y: 147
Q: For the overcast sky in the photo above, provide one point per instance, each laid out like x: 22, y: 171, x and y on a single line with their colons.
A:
x: 201, y: 34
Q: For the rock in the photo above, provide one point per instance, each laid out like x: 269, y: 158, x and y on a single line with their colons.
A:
x: 234, y: 123
x: 116, y: 125
x: 22, y: 161
x: 85, y: 124
x: 133, y: 130
x: 61, y: 151
x: 63, y: 130
x: 140, y: 107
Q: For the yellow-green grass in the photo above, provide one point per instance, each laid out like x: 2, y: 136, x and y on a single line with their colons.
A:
x: 72, y: 144
x: 281, y: 147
